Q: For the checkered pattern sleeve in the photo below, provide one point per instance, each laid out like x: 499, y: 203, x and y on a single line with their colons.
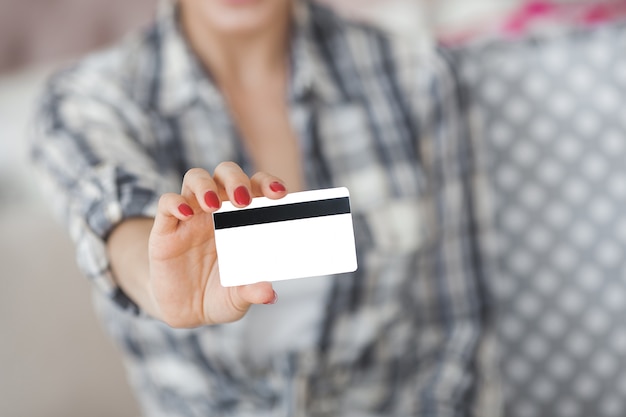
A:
x: 95, y: 155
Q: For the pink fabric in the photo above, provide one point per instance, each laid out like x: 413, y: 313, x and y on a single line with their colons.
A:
x: 538, y: 16
x: 518, y: 22
x: 544, y: 12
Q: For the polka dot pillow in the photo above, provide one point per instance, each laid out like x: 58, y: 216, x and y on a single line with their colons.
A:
x: 548, y: 123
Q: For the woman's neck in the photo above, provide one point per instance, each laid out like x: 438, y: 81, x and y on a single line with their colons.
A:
x: 242, y: 59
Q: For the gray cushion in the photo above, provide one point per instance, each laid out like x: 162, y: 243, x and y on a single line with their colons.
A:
x: 549, y: 128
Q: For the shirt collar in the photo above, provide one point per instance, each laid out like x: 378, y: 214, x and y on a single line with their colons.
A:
x: 183, y: 80
x: 180, y: 76
x: 310, y: 73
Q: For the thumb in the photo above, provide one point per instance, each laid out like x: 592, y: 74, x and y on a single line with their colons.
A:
x: 246, y: 295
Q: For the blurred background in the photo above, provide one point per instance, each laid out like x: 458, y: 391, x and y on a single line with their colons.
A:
x: 55, y: 359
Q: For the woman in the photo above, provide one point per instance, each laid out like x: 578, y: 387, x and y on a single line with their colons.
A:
x: 229, y: 99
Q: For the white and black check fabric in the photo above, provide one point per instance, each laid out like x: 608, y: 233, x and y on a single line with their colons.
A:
x: 400, y: 336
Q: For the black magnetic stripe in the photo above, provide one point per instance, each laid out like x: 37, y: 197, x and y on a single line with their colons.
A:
x: 293, y: 211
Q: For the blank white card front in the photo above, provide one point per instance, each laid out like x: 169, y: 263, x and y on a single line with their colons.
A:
x: 304, y: 234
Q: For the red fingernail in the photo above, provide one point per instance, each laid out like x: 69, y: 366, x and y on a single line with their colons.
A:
x: 277, y: 187
x: 274, y: 300
x: 211, y: 200
x: 242, y: 196
x: 185, y: 210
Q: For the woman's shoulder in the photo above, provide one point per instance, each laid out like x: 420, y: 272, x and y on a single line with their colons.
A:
x: 332, y: 24
x: 363, y: 42
x: 356, y: 48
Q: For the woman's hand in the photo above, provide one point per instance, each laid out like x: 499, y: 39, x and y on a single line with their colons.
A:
x: 168, y: 265
x: 183, y: 275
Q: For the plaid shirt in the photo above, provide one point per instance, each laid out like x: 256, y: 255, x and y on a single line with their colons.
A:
x: 399, y: 337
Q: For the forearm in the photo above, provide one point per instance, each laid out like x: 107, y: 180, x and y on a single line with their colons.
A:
x: 128, y: 253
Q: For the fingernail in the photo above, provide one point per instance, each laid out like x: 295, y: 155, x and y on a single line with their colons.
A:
x: 274, y: 300
x: 185, y: 210
x: 211, y: 200
x: 277, y: 187
x: 242, y: 196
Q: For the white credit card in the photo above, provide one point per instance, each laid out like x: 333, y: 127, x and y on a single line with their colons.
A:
x: 301, y: 235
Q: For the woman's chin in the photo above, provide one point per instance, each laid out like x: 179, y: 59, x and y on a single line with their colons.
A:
x: 241, y: 16
x: 240, y: 3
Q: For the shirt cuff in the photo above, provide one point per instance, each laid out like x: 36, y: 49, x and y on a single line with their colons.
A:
x: 127, y: 196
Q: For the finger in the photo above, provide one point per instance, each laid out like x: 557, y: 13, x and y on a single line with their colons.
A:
x: 199, y: 187
x: 234, y: 183
x: 259, y: 293
x: 264, y: 184
x: 172, y: 209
